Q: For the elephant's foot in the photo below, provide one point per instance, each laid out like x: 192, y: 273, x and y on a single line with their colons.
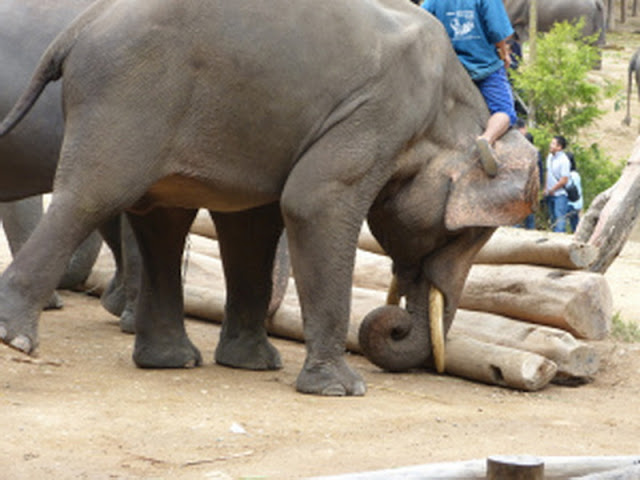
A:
x: 250, y: 352
x: 127, y: 321
x: 22, y: 336
x: 54, y: 303
x: 166, y: 353
x: 334, y: 378
x: 113, y: 299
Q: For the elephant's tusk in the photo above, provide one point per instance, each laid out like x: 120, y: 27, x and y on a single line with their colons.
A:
x: 393, y: 298
x: 436, y: 316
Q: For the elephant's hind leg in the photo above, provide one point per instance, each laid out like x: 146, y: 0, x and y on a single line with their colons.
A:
x: 248, y: 242
x: 161, y: 338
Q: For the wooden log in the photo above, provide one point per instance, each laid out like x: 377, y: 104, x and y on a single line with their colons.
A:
x: 576, y: 361
x: 510, y: 245
x: 497, y: 365
x: 514, y: 467
x: 618, y: 217
x: 555, y: 468
x: 519, y: 246
x: 577, y: 301
x: 625, y: 473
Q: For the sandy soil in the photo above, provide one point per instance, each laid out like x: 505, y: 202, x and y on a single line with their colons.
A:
x: 80, y: 409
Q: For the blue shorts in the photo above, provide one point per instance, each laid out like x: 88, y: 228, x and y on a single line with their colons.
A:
x: 496, y: 91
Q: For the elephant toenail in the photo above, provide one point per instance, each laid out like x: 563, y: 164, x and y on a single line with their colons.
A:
x: 334, y: 391
x: 360, y: 389
x: 21, y: 343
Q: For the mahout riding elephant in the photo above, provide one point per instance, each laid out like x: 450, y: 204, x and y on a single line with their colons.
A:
x: 553, y: 11
x: 314, y: 116
x: 29, y: 154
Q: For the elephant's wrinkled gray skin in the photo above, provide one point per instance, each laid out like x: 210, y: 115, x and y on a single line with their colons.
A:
x: 307, y: 115
x: 29, y: 154
x: 552, y: 11
x: 19, y: 219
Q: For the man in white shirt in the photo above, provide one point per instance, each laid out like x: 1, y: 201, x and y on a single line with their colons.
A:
x: 558, y: 172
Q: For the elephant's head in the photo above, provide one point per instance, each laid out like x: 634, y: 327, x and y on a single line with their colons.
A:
x: 432, y: 220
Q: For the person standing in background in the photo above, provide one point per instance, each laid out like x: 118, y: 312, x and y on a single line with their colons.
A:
x: 558, y: 172
x: 521, y: 126
x: 574, y: 208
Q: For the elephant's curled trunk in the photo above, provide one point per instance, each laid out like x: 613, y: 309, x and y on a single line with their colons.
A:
x: 393, y: 339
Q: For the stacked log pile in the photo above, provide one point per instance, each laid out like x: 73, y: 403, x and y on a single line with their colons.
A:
x: 527, y: 308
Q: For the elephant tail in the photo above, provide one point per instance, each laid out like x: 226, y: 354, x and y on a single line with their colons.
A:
x: 49, y: 68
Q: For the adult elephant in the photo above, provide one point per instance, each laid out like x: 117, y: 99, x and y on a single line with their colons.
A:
x: 552, y: 11
x: 305, y: 115
x: 29, y: 154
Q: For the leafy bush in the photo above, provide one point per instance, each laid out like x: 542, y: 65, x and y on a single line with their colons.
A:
x: 625, y: 331
x: 557, y: 83
x: 565, y: 101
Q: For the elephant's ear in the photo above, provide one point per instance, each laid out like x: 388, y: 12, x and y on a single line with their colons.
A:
x: 478, y: 200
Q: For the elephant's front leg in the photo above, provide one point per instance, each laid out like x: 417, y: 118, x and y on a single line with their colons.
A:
x: 324, y: 203
x: 248, y: 242
x: 161, y: 338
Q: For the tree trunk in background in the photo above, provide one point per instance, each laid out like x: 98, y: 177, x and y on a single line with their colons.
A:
x: 533, y: 36
x: 610, y: 219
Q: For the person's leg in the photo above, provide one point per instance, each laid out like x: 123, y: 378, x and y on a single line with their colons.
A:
x: 496, y: 91
x: 552, y: 211
x: 561, y: 203
x: 530, y: 222
x: 497, y: 126
x: 574, y: 217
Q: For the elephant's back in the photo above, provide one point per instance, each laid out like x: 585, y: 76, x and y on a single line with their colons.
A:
x: 241, y: 68
x: 29, y: 153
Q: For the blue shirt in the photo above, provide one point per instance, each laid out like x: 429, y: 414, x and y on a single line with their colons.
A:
x: 474, y: 26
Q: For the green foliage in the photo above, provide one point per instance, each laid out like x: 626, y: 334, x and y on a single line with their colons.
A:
x: 557, y: 83
x: 565, y: 101
x: 596, y: 170
x: 624, y: 331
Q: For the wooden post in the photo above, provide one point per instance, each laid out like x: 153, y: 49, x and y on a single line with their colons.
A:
x: 533, y: 36
x: 514, y: 467
x: 610, y: 21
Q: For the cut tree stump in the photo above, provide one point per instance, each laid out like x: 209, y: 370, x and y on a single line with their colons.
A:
x: 514, y: 467
x: 577, y: 301
x: 576, y: 360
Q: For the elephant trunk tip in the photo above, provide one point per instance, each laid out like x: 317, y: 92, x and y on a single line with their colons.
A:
x: 391, y: 340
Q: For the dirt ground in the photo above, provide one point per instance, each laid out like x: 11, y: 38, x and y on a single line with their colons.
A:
x: 81, y: 410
